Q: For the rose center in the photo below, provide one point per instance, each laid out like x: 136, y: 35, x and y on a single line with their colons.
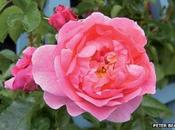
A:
x: 107, y: 64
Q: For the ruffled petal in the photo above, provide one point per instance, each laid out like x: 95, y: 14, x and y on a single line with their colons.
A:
x: 73, y: 109
x: 131, y: 29
x: 101, y: 113
x: 43, y: 69
x: 65, y: 34
x: 66, y: 57
x: 98, y: 102
x: 149, y: 85
x: 63, y: 82
x: 123, y: 112
x: 56, y: 102
x: 53, y: 101
x: 9, y: 83
x: 87, y: 51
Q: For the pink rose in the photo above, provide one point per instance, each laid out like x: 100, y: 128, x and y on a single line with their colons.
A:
x: 61, y: 16
x: 22, y: 72
x: 99, y: 66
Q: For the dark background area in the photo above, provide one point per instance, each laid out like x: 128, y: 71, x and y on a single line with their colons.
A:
x: 8, y: 44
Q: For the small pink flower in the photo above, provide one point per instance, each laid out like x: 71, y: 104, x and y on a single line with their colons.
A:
x: 22, y: 72
x: 61, y: 16
x: 99, y: 66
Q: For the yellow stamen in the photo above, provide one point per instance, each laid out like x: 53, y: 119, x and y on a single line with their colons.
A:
x: 101, y: 71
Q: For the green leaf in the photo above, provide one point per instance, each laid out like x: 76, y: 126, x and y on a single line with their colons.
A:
x: 6, y: 74
x: 169, y: 70
x: 40, y: 123
x: 5, y: 101
x: 32, y: 17
x: 159, y: 72
x: 41, y: 3
x: 2, y: 4
x: 152, y: 1
x: 170, y: 47
x: 3, y: 20
x: 16, y: 31
x: 23, y: 4
x: 44, y: 28
x: 15, y: 19
x: 44, y: 32
x: 99, y: 2
x: 16, y: 116
x: 153, y: 53
x: 115, y: 10
x: 7, y: 93
x: 154, y: 108
x: 1, y: 81
x: 50, y: 38
x: 138, y: 125
x: 62, y: 119
x: 15, y: 25
x: 162, y: 83
x: 143, y: 123
x: 85, y: 6
x: 73, y: 127
x: 139, y: 121
x: 8, y: 54
x: 5, y: 64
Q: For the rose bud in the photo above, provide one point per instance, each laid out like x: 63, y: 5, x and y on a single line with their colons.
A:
x: 61, y: 16
x: 22, y: 73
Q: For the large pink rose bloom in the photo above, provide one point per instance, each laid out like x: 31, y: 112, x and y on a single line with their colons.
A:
x: 22, y: 72
x: 99, y: 66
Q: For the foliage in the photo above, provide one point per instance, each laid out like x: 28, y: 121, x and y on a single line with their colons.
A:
x: 20, y: 16
x: 21, y: 111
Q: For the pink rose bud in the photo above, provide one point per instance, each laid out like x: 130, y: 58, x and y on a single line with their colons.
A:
x: 61, y: 16
x: 99, y: 66
x: 22, y: 73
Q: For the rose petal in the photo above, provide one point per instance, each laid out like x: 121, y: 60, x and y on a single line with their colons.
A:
x: 131, y: 29
x: 136, y: 76
x: 95, y: 19
x: 135, y: 70
x: 71, y: 66
x: 73, y: 109
x: 98, y: 102
x: 73, y: 43
x: 65, y: 34
x: 87, y: 51
x: 53, y: 101
x: 66, y: 57
x: 23, y: 77
x: 43, y: 69
x: 56, y: 102
x: 131, y: 95
x: 123, y: 111
x: 101, y: 113
x: 149, y: 85
x: 65, y: 85
x: 9, y: 83
x: 29, y: 51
